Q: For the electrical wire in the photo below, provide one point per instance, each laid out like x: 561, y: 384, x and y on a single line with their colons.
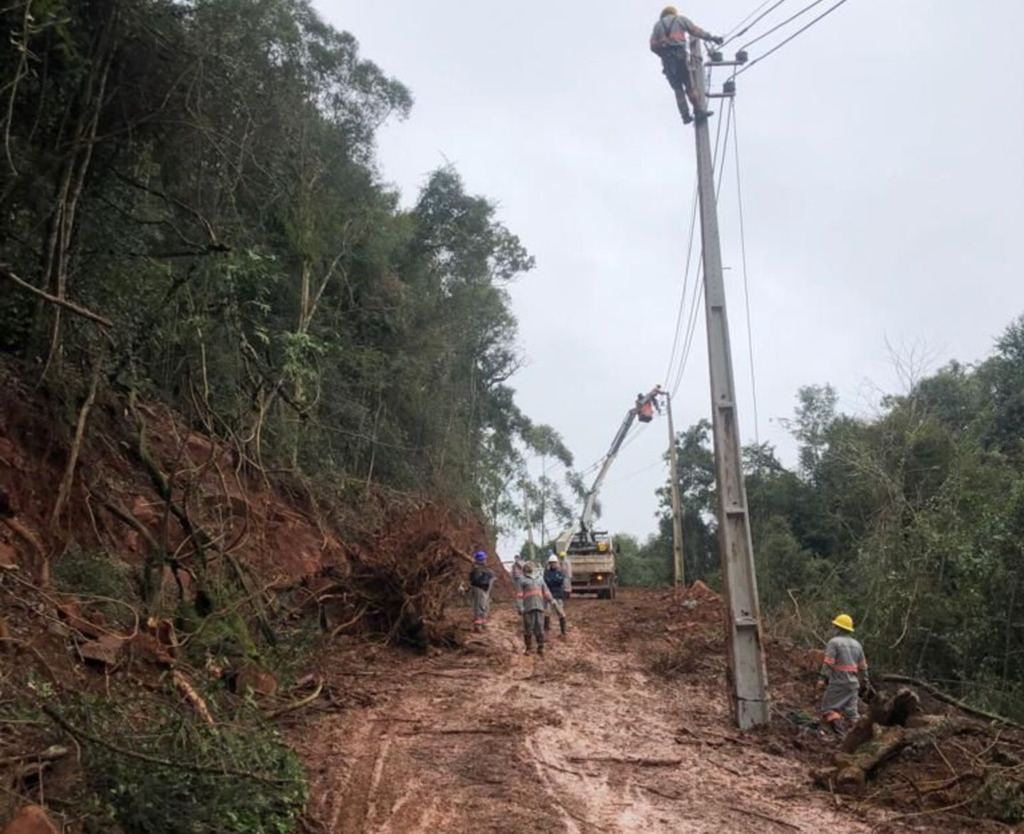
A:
x: 699, y: 285
x: 796, y: 34
x: 689, y: 259
x: 732, y: 34
x: 630, y: 475
x: 743, y: 253
x: 785, y: 22
x: 686, y: 280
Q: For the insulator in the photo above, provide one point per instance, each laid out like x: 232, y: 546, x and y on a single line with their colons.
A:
x: 729, y: 87
x: 716, y: 57
x: 742, y: 57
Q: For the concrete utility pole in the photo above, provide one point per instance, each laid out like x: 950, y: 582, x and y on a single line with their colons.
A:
x: 748, y: 679
x: 677, y: 517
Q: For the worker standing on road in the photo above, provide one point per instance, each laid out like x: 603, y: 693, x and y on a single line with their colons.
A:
x: 555, y: 579
x: 844, y: 672
x: 534, y: 597
x: 668, y: 42
x: 481, y: 581
x: 517, y: 574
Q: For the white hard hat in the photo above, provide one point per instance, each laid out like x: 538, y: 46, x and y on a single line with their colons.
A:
x: 552, y: 558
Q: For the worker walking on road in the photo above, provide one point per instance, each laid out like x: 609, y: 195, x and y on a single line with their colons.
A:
x: 481, y: 580
x: 844, y: 672
x: 555, y: 579
x: 534, y: 597
x: 668, y: 42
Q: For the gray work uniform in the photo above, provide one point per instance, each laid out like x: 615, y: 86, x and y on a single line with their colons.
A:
x: 844, y: 667
x: 534, y: 595
x: 480, y: 581
x: 668, y: 42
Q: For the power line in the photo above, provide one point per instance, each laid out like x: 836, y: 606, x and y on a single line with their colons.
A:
x: 686, y: 273
x: 686, y: 281
x: 743, y: 252
x: 629, y: 476
x: 798, y: 32
x: 778, y: 26
x: 732, y: 34
x: 699, y: 288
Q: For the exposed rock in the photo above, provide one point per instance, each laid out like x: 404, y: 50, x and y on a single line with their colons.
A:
x: 106, y: 650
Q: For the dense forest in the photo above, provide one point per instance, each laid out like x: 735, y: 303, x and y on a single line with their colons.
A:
x: 911, y: 519
x: 192, y: 214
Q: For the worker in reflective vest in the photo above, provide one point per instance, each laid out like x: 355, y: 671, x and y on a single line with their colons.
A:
x: 844, y: 672
x: 668, y: 42
x: 534, y: 596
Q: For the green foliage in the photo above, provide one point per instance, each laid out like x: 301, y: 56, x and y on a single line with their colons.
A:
x: 203, y: 174
x: 642, y: 567
x: 261, y: 787
x: 94, y: 575
x: 912, y: 521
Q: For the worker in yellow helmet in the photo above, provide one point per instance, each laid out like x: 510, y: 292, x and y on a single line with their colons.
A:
x: 668, y: 42
x: 844, y: 672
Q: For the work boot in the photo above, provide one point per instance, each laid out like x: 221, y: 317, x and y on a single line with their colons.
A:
x: 528, y: 639
x: 547, y: 623
x: 540, y: 650
x: 561, y: 626
x: 687, y: 118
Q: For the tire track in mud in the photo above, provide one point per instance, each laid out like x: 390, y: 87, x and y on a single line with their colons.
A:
x: 487, y: 740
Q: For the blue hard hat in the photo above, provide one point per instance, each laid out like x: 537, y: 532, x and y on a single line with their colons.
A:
x: 480, y: 556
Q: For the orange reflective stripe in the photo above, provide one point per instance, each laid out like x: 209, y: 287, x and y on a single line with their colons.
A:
x: 536, y: 592
x: 676, y: 36
x: 845, y: 668
x: 831, y: 661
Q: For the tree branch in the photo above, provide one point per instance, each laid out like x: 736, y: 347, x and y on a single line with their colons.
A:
x: 5, y: 272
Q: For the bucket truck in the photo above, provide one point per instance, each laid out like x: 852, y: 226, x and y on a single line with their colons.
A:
x: 590, y: 553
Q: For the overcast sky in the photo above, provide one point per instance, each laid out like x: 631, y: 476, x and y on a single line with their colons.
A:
x: 881, y: 159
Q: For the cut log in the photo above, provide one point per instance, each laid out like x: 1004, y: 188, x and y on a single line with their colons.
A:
x: 850, y: 771
x: 903, y: 709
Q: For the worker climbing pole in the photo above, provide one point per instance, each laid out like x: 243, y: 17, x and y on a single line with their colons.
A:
x: 747, y: 678
x: 668, y: 42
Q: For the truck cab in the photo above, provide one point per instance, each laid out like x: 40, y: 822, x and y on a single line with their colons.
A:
x: 591, y: 557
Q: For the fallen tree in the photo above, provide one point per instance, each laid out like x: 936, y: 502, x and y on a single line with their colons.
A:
x: 891, y: 725
x: 982, y: 775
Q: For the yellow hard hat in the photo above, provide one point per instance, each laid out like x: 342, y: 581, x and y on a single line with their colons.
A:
x: 844, y: 621
x: 669, y: 10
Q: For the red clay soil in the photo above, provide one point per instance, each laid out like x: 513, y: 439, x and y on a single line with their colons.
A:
x: 597, y: 736
x: 623, y: 727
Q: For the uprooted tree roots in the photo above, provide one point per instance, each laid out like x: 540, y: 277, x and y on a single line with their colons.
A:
x: 981, y: 767
x: 400, y: 583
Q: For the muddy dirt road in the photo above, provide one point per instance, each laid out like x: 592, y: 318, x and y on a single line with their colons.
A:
x: 583, y: 740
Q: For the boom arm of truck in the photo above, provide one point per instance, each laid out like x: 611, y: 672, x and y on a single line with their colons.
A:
x: 587, y: 516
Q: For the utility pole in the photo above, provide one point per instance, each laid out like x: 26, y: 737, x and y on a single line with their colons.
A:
x: 748, y: 678
x: 529, y: 525
x: 677, y: 517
